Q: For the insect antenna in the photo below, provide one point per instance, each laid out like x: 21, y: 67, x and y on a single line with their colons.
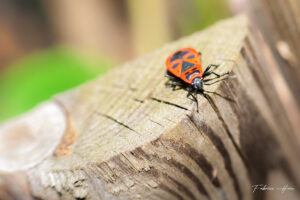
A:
x: 207, y: 80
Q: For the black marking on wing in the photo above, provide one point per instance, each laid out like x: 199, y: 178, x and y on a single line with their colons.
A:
x: 186, y: 66
x: 178, y: 55
x: 191, y: 56
x: 175, y: 65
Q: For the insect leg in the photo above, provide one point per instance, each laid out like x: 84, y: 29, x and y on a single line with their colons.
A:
x: 191, y: 93
x: 170, y: 76
x: 174, y: 83
x: 190, y: 90
x: 210, y: 79
x: 210, y: 66
x: 200, y: 54
x: 196, y: 101
x: 212, y: 72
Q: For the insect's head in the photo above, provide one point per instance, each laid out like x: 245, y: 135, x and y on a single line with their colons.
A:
x: 198, y: 83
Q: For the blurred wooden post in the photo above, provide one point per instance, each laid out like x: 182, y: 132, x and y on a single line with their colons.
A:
x: 92, y: 26
x: 149, y: 24
x: 279, y: 21
x: 23, y: 29
x: 127, y: 136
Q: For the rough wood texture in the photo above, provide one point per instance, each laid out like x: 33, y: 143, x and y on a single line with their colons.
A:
x: 130, y: 137
x: 28, y: 137
x: 279, y: 21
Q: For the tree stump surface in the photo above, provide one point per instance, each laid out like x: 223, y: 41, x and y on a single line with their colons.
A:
x: 126, y: 135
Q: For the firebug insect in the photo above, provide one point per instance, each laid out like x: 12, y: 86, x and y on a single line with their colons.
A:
x: 184, y: 69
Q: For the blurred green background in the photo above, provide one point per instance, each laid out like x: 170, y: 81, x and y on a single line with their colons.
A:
x: 50, y: 46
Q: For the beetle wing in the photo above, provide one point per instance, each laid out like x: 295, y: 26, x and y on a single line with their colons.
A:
x: 184, y: 63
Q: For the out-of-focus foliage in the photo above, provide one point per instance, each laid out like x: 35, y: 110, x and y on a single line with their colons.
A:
x: 196, y: 15
x: 41, y: 75
x: 212, y: 11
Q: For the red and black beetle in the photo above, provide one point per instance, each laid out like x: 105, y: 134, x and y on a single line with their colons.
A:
x: 184, y: 69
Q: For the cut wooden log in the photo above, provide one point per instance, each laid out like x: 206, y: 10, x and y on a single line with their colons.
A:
x: 128, y: 136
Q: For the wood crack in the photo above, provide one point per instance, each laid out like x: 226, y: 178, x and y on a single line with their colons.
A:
x: 138, y: 100
x: 168, y: 103
x: 118, y: 122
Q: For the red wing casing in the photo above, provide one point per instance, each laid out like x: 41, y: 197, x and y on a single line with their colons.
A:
x: 185, y: 64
